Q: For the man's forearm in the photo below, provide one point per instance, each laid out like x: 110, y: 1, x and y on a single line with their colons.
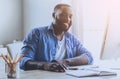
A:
x: 49, y: 66
x: 79, y: 60
x: 34, y: 65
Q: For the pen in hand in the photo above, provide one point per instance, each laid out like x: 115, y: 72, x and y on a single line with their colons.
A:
x: 68, y: 68
x: 64, y: 67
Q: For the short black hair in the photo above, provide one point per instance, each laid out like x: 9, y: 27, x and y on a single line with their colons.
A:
x: 58, y: 6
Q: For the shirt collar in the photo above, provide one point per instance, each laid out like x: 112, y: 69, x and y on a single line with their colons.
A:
x: 50, y: 28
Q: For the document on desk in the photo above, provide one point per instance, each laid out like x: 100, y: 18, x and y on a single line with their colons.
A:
x: 90, y: 72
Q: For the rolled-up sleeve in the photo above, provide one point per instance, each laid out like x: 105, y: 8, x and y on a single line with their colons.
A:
x: 90, y: 58
x: 29, y: 47
x: 80, y: 50
x: 28, y: 55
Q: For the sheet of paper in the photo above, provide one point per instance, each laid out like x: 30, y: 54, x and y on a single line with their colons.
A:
x: 90, y: 72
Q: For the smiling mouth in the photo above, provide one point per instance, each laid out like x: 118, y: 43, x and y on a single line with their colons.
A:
x: 66, y: 24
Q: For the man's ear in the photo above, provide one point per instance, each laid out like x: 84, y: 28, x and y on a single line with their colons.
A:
x: 53, y: 14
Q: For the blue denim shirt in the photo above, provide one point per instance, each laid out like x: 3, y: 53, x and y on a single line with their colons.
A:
x: 41, y: 45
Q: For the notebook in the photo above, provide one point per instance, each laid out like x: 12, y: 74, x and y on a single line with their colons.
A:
x: 90, y: 72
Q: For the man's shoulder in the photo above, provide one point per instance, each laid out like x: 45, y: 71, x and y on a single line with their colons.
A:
x: 40, y: 28
x: 69, y: 35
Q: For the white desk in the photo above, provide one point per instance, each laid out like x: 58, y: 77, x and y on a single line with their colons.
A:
x: 53, y: 75
x: 39, y: 74
x: 36, y: 74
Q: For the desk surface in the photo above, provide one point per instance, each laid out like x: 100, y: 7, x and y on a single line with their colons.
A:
x: 36, y: 74
x: 39, y: 74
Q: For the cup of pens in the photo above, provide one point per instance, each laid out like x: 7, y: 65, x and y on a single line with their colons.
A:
x: 12, y: 66
x: 12, y: 70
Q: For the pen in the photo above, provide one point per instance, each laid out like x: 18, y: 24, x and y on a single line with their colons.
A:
x: 19, y: 59
x: 65, y: 67
x: 14, y: 60
x: 72, y: 68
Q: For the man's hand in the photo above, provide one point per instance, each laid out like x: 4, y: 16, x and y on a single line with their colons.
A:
x: 54, y: 66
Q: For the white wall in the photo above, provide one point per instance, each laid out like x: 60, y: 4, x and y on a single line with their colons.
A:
x: 10, y: 21
x: 112, y: 43
x: 38, y: 13
x: 17, y: 17
x: 94, y: 22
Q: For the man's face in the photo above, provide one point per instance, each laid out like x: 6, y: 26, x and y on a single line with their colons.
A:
x: 63, y: 18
